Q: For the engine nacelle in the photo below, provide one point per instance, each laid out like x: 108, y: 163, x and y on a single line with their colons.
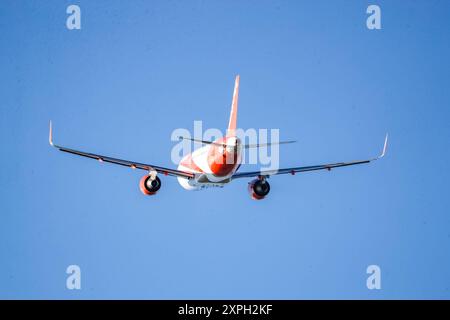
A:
x: 148, y: 186
x: 258, y: 189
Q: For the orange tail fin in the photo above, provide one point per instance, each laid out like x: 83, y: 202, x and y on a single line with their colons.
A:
x: 231, y: 131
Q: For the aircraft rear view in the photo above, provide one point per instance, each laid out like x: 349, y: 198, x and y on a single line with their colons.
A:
x: 215, y: 164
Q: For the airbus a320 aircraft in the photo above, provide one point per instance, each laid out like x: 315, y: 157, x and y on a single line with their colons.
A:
x: 213, y: 165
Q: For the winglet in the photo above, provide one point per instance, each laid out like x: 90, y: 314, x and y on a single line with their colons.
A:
x: 50, y: 135
x: 384, y: 147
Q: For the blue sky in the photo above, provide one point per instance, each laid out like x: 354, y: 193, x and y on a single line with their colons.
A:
x: 134, y: 73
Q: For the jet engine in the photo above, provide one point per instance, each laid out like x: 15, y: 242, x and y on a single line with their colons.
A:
x: 258, y: 189
x: 148, y: 185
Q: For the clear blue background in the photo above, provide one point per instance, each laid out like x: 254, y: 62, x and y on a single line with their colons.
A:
x: 138, y: 70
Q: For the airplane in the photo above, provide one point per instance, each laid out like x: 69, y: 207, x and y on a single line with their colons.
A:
x: 215, y: 164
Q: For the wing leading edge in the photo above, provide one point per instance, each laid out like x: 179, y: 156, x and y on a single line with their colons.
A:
x: 295, y: 170
x: 125, y: 163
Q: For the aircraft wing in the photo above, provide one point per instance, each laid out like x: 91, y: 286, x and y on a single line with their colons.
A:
x: 125, y: 163
x: 294, y: 170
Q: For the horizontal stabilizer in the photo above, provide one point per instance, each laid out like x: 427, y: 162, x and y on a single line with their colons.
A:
x: 245, y: 146
x: 262, y: 145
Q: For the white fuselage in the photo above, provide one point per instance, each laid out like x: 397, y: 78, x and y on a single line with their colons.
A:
x: 213, y: 164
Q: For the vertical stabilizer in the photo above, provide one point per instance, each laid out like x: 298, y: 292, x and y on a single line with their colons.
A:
x: 231, y: 131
